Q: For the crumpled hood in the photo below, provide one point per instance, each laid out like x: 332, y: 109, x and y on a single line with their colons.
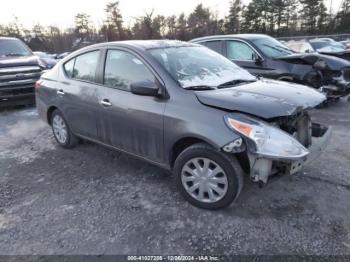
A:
x: 263, y: 98
x: 18, y: 61
x: 333, y: 63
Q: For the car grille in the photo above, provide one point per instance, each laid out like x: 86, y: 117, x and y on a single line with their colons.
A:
x: 18, y: 80
x: 346, y: 74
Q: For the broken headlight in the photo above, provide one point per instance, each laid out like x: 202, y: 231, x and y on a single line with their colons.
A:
x: 265, y: 139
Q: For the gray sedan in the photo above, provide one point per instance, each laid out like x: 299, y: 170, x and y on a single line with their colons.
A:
x: 185, y: 108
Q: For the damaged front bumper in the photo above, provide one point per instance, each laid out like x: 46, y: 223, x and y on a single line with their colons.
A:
x: 339, y: 88
x: 262, y: 167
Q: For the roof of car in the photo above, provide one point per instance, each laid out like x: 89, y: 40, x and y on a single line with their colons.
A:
x: 8, y: 38
x: 241, y: 36
x: 147, y: 44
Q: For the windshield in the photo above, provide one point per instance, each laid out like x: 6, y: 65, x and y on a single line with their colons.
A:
x: 323, y: 44
x: 13, y: 47
x: 272, y: 48
x: 194, y: 66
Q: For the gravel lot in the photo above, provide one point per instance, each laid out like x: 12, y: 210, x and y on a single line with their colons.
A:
x: 92, y: 200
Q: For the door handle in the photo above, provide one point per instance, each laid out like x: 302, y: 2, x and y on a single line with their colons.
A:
x: 106, y: 103
x: 60, y: 92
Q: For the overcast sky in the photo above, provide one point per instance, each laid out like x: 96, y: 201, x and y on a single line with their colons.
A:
x: 61, y: 12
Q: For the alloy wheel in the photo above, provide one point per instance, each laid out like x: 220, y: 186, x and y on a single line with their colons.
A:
x: 60, y: 129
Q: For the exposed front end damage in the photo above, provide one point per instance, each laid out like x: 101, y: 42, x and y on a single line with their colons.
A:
x: 262, y: 168
x: 330, y: 75
x: 337, y: 84
x: 279, y: 146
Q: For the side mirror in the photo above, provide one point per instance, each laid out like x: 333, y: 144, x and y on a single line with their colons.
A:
x: 144, y: 88
x: 257, y: 59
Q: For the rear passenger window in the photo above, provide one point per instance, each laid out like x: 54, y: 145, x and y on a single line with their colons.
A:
x: 68, y: 67
x: 123, y: 68
x: 214, y: 45
x: 85, y: 66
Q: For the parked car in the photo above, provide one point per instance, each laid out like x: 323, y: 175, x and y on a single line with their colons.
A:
x: 330, y: 48
x: 300, y: 46
x: 19, y: 70
x: 346, y: 43
x: 185, y: 108
x: 46, y: 59
x: 326, y: 39
x: 265, y: 56
x: 319, y: 46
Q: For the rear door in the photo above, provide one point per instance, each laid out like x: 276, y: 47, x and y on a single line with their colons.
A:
x: 215, y: 45
x: 77, y: 93
x: 130, y: 122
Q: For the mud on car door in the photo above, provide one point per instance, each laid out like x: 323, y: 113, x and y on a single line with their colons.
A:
x: 76, y: 95
x: 130, y: 122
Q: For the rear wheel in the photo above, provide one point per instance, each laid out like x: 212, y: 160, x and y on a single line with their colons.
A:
x: 208, y: 178
x: 61, y: 131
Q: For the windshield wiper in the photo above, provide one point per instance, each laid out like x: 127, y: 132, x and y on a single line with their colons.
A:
x: 235, y: 83
x: 199, y: 88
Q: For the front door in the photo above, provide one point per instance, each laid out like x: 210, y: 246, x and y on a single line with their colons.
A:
x: 245, y: 56
x: 130, y: 122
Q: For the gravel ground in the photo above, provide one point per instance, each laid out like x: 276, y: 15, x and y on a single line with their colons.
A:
x: 92, y: 200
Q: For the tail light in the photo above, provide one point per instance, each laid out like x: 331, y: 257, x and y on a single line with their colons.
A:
x: 38, y: 84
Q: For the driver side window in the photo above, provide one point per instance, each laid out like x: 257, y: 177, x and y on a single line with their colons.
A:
x: 123, y: 68
x: 237, y: 50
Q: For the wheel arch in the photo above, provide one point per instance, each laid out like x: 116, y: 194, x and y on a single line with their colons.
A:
x: 182, y: 143
x: 49, y: 112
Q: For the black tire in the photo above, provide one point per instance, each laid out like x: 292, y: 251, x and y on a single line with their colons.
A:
x: 71, y: 140
x: 228, y: 163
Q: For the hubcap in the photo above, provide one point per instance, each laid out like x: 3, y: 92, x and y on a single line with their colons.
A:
x: 59, y: 129
x: 204, y: 180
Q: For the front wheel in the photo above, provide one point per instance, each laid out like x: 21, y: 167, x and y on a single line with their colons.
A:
x: 208, y: 178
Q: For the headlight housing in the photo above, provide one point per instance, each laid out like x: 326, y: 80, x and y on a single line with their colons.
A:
x: 265, y: 139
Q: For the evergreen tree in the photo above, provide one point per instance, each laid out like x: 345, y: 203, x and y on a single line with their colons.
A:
x: 182, y: 32
x: 291, y: 19
x: 147, y: 27
x: 202, y: 22
x: 113, y: 27
x: 343, y: 17
x: 82, y: 25
x: 233, y: 20
x: 311, y: 13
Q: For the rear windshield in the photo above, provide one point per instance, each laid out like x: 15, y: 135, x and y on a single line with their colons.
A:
x: 13, y: 47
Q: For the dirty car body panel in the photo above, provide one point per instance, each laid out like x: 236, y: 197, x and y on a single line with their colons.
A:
x: 265, y: 56
x: 184, y: 109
